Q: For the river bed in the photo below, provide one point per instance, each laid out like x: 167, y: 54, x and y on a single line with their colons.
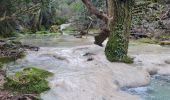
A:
x: 76, y: 78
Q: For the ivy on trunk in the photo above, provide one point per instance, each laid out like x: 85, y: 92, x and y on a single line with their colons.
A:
x: 117, y: 45
x: 117, y: 27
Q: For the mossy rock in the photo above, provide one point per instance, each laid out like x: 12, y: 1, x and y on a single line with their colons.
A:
x: 147, y: 40
x: 6, y: 59
x: 29, y: 80
x: 54, y: 29
x: 127, y: 60
x: 164, y: 43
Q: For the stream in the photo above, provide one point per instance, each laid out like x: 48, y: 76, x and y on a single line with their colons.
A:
x: 65, y: 57
x: 158, y: 89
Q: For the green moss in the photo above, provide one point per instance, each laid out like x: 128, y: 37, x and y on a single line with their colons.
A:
x: 127, y: 60
x: 29, y: 80
x: 42, y: 32
x: 6, y: 59
x: 116, y: 47
x: 164, y: 37
x: 1, y: 65
x: 147, y: 40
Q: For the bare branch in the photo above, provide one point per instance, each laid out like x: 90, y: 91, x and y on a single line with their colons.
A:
x: 95, y: 11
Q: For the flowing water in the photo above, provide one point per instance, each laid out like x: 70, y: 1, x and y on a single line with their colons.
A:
x: 159, y: 89
x: 56, y: 53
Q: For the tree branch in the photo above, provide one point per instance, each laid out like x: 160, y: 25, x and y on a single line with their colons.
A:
x: 105, y: 31
x: 96, y: 12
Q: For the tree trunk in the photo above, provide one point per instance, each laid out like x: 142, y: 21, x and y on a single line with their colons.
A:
x: 117, y: 45
x: 117, y: 28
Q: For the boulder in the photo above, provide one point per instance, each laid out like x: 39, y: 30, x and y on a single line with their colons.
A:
x: 54, y: 29
x: 167, y: 61
x: 165, y: 42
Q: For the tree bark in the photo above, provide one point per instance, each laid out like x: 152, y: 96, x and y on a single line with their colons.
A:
x: 117, y: 28
x: 117, y: 45
x: 105, y: 30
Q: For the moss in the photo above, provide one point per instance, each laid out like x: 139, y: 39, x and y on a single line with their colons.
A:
x: 127, y: 60
x: 117, y: 45
x: 147, y: 40
x: 164, y: 37
x: 42, y: 32
x: 1, y: 65
x: 6, y: 59
x: 29, y: 80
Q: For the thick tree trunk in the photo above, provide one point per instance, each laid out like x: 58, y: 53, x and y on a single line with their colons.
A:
x: 117, y: 28
x: 117, y: 45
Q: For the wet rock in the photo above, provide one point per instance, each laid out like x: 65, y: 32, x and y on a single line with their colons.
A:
x: 32, y: 48
x: 88, y: 54
x: 6, y: 95
x: 165, y: 43
x: 153, y: 71
x: 167, y: 61
x: 11, y: 49
x: 90, y: 59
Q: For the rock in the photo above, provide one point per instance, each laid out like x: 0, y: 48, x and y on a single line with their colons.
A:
x: 6, y: 95
x: 152, y: 71
x: 90, y: 59
x: 2, y: 80
x: 54, y: 29
x: 167, y: 61
x: 165, y: 43
x: 88, y: 54
x: 32, y: 48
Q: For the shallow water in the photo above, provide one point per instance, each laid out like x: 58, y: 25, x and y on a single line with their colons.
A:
x: 159, y: 89
x: 57, y: 55
x: 54, y: 40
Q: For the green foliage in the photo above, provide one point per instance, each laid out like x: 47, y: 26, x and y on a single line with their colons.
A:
x: 164, y: 37
x: 30, y: 80
x: 77, y: 6
x: 60, y: 20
